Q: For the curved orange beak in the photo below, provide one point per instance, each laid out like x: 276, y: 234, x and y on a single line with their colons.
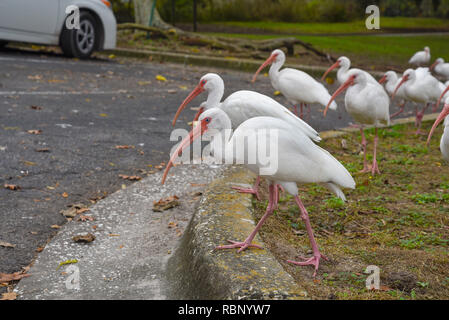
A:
x: 440, y: 118
x: 342, y: 88
x: 198, y: 89
x: 383, y: 79
x: 442, y: 95
x: 433, y: 65
x: 332, y: 67
x: 404, y: 79
x: 187, y: 141
x: 267, y: 62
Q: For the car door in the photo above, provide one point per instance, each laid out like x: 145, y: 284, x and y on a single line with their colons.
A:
x: 36, y: 16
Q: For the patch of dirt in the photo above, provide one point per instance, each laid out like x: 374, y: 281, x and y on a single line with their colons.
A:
x: 397, y: 221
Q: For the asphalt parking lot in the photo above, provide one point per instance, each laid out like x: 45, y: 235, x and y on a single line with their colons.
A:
x: 62, y: 120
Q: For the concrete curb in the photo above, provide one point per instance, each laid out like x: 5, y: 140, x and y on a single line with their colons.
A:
x: 249, y: 65
x: 196, y: 271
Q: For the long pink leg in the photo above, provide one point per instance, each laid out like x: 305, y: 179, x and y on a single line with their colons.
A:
x: 365, y: 164
x: 315, y: 260
x: 401, y: 106
x: 419, y: 116
x: 296, y: 110
x: 301, y: 112
x: 254, y: 190
x: 375, y: 168
x: 272, y: 203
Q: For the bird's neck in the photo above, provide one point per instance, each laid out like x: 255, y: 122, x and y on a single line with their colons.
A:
x: 274, y: 72
x: 341, y: 73
x: 214, y: 97
x: 219, y: 145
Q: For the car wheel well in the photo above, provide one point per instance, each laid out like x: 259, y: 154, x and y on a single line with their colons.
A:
x: 100, y: 43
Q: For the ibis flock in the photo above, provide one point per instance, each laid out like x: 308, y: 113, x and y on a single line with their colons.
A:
x: 299, y: 159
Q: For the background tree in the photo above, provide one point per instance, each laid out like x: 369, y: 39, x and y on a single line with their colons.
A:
x: 142, y: 13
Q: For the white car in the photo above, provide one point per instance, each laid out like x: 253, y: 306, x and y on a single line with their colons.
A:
x: 44, y: 22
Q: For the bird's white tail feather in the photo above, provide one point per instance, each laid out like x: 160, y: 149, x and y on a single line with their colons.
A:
x: 336, y: 189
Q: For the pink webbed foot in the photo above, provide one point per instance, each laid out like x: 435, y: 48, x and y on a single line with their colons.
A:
x: 254, y: 191
x: 375, y: 168
x: 242, y: 245
x: 315, y: 261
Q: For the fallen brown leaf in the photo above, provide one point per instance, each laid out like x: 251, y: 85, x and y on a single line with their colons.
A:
x: 9, y: 296
x: 84, y: 238
x: 165, y: 204
x: 36, y: 107
x: 8, y: 277
x: 12, y: 187
x: 124, y: 147
x: 7, y: 244
x: 34, y: 131
x: 130, y: 178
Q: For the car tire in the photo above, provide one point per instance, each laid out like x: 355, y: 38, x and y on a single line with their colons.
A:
x: 3, y: 43
x: 81, y: 43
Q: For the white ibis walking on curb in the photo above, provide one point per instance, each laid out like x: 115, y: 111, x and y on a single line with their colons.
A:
x: 343, y: 64
x: 391, y: 81
x: 297, y: 86
x: 444, y: 142
x: 368, y: 104
x: 441, y: 68
x: 420, y: 58
x: 420, y: 87
x: 299, y: 160
x: 241, y: 106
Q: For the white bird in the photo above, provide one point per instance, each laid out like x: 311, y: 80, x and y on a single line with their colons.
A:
x: 420, y: 87
x: 343, y: 64
x: 297, y: 86
x: 241, y: 106
x: 444, y: 142
x: 440, y: 68
x: 298, y: 160
x: 391, y: 80
x: 368, y: 104
x: 420, y: 58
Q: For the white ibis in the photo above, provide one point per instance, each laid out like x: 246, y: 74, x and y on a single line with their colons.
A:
x: 391, y: 80
x: 441, y: 68
x: 297, y: 86
x: 420, y: 58
x: 243, y: 105
x: 343, y: 64
x: 420, y: 87
x: 299, y: 160
x: 444, y: 142
x: 368, y: 104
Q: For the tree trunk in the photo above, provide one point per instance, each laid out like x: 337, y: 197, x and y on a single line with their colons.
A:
x: 142, y: 13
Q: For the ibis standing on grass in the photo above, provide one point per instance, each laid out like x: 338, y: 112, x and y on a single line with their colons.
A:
x: 298, y: 160
x: 241, y: 106
x: 297, y: 86
x: 420, y: 87
x: 440, y: 68
x: 421, y: 58
x: 444, y: 142
x: 368, y: 104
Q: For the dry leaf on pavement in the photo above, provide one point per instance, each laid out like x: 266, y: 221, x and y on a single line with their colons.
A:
x: 6, y: 244
x: 12, y: 186
x: 8, y: 277
x: 9, y: 296
x: 165, y: 204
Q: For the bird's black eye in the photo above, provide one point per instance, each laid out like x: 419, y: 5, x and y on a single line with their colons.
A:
x: 207, y: 120
x: 203, y: 82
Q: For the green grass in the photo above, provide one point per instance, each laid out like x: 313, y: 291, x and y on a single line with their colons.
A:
x: 386, y: 24
x: 384, y: 50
